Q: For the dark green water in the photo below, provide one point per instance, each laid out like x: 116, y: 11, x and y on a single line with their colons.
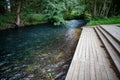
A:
x: 33, y: 53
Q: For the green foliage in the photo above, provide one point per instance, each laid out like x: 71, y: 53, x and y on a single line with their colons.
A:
x: 54, y: 11
x: 58, y: 19
x: 33, y: 18
x: 88, y: 15
x: 111, y: 20
x: 57, y: 11
x: 5, y: 20
x: 74, y: 8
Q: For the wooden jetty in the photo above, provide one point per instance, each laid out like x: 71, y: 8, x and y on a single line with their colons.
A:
x: 97, y: 56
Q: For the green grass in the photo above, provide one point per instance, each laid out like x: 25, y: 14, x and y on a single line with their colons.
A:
x: 111, y: 20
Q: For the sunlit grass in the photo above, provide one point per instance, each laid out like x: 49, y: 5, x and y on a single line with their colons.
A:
x: 111, y: 20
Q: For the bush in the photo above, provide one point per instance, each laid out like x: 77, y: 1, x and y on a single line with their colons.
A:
x: 34, y: 18
x: 5, y: 20
x: 88, y: 15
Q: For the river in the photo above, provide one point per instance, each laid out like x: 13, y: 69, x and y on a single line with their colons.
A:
x: 36, y: 52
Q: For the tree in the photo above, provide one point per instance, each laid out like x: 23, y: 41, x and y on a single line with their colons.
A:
x: 2, y: 6
x: 17, y: 18
x: 58, y: 11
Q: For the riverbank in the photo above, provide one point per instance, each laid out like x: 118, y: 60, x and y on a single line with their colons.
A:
x: 7, y: 20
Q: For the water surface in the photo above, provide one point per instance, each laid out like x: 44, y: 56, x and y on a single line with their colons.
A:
x: 35, y: 52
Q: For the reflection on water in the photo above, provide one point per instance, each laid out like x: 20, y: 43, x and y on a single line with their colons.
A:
x: 34, y: 52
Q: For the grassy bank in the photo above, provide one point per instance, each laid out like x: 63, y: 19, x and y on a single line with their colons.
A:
x: 7, y: 20
x: 110, y: 20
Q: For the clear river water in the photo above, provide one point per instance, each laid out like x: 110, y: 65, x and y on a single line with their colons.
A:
x: 35, y: 52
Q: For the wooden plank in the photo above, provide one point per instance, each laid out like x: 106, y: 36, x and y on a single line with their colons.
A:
x: 110, y: 72
x: 111, y: 40
x: 76, y: 70
x: 101, y: 64
x: 92, y: 72
x: 110, y: 50
x: 113, y: 31
x: 90, y: 63
x: 81, y: 71
x: 97, y: 66
x: 71, y: 69
x: 84, y: 46
x: 93, y: 58
x: 87, y: 61
x: 107, y: 66
x: 76, y: 56
x: 70, y: 72
x: 87, y: 71
x: 79, y: 46
x: 98, y: 71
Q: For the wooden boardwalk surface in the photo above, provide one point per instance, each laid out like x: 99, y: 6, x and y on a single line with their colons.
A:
x: 90, y: 61
x: 114, y: 30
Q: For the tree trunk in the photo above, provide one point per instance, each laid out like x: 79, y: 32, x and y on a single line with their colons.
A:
x: 94, y: 8
x: 109, y: 6
x: 17, y: 19
x: 99, y: 9
x: 104, y: 8
x: 2, y: 7
x: 2, y: 10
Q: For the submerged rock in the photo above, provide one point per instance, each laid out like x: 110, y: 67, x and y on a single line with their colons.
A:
x: 16, y: 76
x: 3, y: 63
x: 66, y: 66
x: 63, y: 78
x: 30, y: 76
x: 25, y: 79
x: 59, y: 75
x: 19, y: 67
x: 3, y: 79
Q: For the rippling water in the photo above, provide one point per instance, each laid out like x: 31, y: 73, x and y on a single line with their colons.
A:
x: 34, y: 52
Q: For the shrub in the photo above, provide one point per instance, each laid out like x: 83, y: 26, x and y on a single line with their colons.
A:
x: 33, y: 18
